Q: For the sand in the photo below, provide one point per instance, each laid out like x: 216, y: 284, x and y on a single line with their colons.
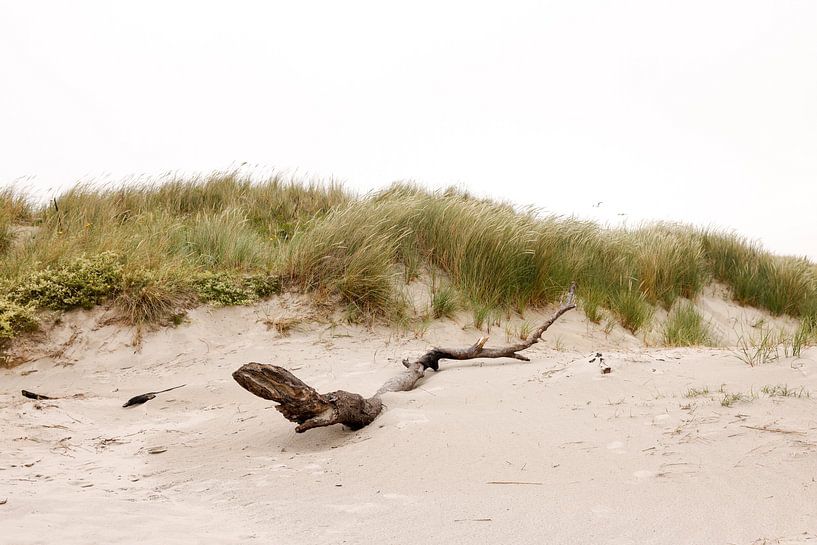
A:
x: 550, y: 451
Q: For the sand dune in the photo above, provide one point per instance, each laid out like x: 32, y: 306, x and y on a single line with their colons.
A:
x: 550, y: 451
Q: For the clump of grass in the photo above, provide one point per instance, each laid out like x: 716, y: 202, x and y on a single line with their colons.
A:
x: 15, y: 206
x: 697, y: 392
x: 350, y: 254
x: 444, y: 302
x: 6, y: 236
x: 524, y: 331
x: 148, y: 297
x: 222, y: 241
x: 783, y: 390
x: 686, y: 327
x: 730, y: 399
x: 782, y: 285
x: 762, y: 346
x: 592, y: 303
x: 283, y: 324
x: 632, y: 309
x: 486, y: 316
x: 805, y: 335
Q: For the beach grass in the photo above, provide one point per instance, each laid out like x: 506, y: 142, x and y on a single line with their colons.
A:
x: 685, y: 326
x: 155, y: 247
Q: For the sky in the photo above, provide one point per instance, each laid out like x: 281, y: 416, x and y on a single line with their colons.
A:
x: 698, y: 111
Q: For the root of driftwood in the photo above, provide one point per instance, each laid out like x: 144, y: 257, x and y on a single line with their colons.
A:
x: 301, y: 403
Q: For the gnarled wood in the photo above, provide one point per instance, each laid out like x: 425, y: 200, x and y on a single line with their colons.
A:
x: 301, y: 403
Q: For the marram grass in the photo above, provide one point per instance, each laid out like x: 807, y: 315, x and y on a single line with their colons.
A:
x: 685, y: 326
x: 164, y: 246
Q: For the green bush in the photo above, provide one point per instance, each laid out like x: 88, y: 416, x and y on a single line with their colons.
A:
x: 226, y: 289
x: 15, y: 319
x: 263, y: 285
x: 82, y: 282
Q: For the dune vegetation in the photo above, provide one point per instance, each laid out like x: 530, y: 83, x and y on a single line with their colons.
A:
x: 154, y: 249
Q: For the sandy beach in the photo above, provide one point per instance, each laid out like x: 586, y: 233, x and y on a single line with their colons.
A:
x: 550, y: 451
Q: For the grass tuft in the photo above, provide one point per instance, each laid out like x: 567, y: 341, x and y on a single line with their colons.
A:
x: 686, y: 327
x: 633, y: 310
x: 444, y: 302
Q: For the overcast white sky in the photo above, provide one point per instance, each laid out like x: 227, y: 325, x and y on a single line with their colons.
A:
x: 701, y: 111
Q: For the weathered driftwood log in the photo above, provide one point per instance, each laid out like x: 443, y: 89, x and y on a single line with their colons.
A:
x: 301, y: 403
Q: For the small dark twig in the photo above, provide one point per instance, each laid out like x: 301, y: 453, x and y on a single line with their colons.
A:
x: 32, y: 395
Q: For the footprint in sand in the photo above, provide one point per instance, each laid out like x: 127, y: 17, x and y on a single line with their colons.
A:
x: 355, y: 508
x: 616, y: 446
x: 407, y: 418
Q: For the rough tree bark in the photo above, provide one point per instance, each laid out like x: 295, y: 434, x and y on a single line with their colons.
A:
x: 301, y: 403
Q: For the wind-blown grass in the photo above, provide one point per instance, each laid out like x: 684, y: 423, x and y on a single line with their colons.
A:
x: 686, y: 327
x: 356, y: 252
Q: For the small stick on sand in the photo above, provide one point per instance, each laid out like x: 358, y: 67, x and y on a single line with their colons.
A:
x: 774, y: 430
x: 513, y: 482
x: 32, y: 395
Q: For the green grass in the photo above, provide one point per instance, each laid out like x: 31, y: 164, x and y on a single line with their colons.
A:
x: 783, y: 390
x: 697, y: 392
x: 730, y: 398
x: 154, y: 248
x: 633, y: 309
x: 444, y: 302
x: 686, y: 327
x: 805, y: 335
x: 762, y: 344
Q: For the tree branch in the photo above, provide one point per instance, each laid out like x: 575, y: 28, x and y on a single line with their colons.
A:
x: 301, y: 403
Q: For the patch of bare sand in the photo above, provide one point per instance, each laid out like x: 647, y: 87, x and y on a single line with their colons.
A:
x: 550, y: 451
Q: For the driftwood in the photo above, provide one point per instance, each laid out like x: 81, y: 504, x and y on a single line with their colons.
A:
x: 301, y: 403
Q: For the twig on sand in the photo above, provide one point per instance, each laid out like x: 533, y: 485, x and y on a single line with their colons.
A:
x: 774, y: 430
x: 32, y: 395
x: 514, y: 482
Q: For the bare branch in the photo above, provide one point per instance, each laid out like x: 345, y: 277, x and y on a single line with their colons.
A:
x: 301, y: 403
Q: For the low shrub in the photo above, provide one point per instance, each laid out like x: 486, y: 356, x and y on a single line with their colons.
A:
x: 15, y: 319
x: 228, y: 289
x: 82, y: 282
